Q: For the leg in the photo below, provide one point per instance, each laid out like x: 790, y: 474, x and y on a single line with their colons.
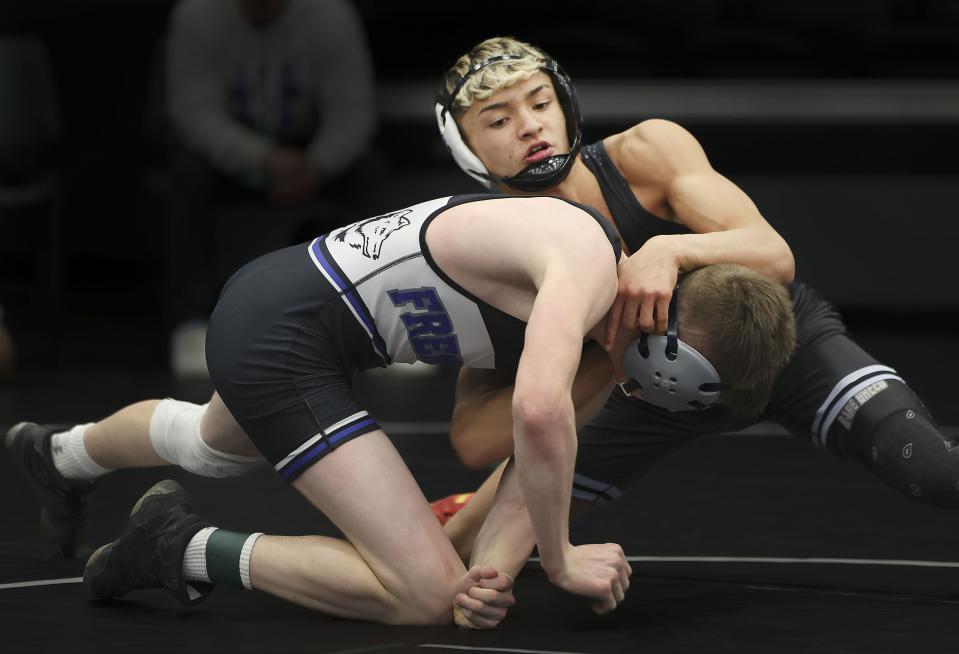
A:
x: 279, y: 368
x: 122, y: 440
x: 402, y: 575
x: 63, y: 467
x: 164, y: 432
x: 858, y: 408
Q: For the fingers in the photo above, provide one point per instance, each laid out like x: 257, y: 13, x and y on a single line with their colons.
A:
x: 624, y: 573
x: 605, y: 604
x: 648, y: 311
x: 630, y: 311
x: 484, y: 604
x: 662, y: 313
x: 619, y: 571
x: 479, y: 613
x: 612, y: 598
x: 466, y: 618
x: 490, y: 597
x: 622, y: 567
x: 612, y: 321
x: 501, y: 583
x: 619, y: 593
x: 646, y: 322
x: 479, y: 572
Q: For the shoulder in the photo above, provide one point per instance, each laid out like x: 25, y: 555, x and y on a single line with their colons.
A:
x: 533, y: 223
x: 654, y: 150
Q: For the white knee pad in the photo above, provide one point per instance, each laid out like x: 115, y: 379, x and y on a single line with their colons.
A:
x: 175, y: 434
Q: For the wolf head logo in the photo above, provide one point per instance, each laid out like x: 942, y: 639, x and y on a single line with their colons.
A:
x: 369, y: 235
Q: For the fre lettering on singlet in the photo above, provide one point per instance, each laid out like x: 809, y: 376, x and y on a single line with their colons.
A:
x: 428, y: 326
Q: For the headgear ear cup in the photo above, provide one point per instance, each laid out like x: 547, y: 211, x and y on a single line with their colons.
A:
x: 462, y: 155
x: 670, y: 373
x: 687, y: 381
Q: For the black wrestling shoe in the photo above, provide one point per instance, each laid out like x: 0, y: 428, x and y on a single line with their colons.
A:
x: 149, y: 553
x: 63, y: 514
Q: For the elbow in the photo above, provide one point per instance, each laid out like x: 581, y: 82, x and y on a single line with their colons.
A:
x: 538, y: 420
x: 785, y: 265
x: 473, y: 448
x: 470, y: 451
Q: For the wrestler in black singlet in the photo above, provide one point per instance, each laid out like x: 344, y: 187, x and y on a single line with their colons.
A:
x: 814, y: 396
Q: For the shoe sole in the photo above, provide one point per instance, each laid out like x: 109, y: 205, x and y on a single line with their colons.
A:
x: 100, y: 559
x: 162, y: 488
x: 95, y: 567
x: 50, y: 531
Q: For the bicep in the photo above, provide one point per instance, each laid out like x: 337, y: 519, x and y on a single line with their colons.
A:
x: 663, y: 155
x: 567, y: 305
x: 705, y: 201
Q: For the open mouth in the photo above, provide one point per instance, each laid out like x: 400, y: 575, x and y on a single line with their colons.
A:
x: 538, y: 152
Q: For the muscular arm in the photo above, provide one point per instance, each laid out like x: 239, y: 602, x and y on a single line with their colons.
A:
x: 670, y: 174
x: 728, y: 225
x: 481, y: 429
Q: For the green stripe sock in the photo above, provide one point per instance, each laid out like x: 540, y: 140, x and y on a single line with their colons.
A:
x: 223, y: 550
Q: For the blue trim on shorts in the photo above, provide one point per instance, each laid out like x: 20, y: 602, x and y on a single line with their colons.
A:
x: 348, y: 292
x: 325, y: 446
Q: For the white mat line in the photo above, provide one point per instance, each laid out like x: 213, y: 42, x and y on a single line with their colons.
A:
x: 42, y: 582
x: 773, y: 559
x: 652, y: 559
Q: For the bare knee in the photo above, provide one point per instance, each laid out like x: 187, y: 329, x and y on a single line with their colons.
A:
x: 426, y: 602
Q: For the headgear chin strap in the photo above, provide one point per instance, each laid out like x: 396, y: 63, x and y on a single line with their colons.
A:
x: 538, y: 176
x: 668, y: 373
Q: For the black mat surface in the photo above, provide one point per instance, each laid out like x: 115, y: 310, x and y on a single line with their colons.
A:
x: 745, y: 497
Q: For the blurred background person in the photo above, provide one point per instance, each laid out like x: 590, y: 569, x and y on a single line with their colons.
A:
x: 271, y: 107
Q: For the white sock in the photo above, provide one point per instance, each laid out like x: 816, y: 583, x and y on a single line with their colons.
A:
x: 70, y: 455
x: 245, y: 555
x: 194, y: 559
x: 196, y: 556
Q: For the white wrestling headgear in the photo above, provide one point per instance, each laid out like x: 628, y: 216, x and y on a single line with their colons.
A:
x: 536, y: 177
x: 668, y: 373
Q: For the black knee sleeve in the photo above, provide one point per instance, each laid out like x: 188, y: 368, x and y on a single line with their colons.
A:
x: 893, y: 435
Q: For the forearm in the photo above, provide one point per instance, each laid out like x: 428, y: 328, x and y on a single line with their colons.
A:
x: 545, y: 456
x: 759, y: 248
x: 506, y: 538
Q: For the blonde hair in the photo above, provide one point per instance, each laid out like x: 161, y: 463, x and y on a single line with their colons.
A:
x: 495, y: 77
x: 743, y: 323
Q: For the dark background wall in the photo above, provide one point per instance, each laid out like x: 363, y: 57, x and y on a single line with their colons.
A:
x: 850, y: 153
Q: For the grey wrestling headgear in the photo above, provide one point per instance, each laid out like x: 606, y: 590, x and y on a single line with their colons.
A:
x: 669, y: 373
x: 536, y: 177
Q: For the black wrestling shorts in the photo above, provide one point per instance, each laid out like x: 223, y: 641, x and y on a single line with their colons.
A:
x: 281, y: 348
